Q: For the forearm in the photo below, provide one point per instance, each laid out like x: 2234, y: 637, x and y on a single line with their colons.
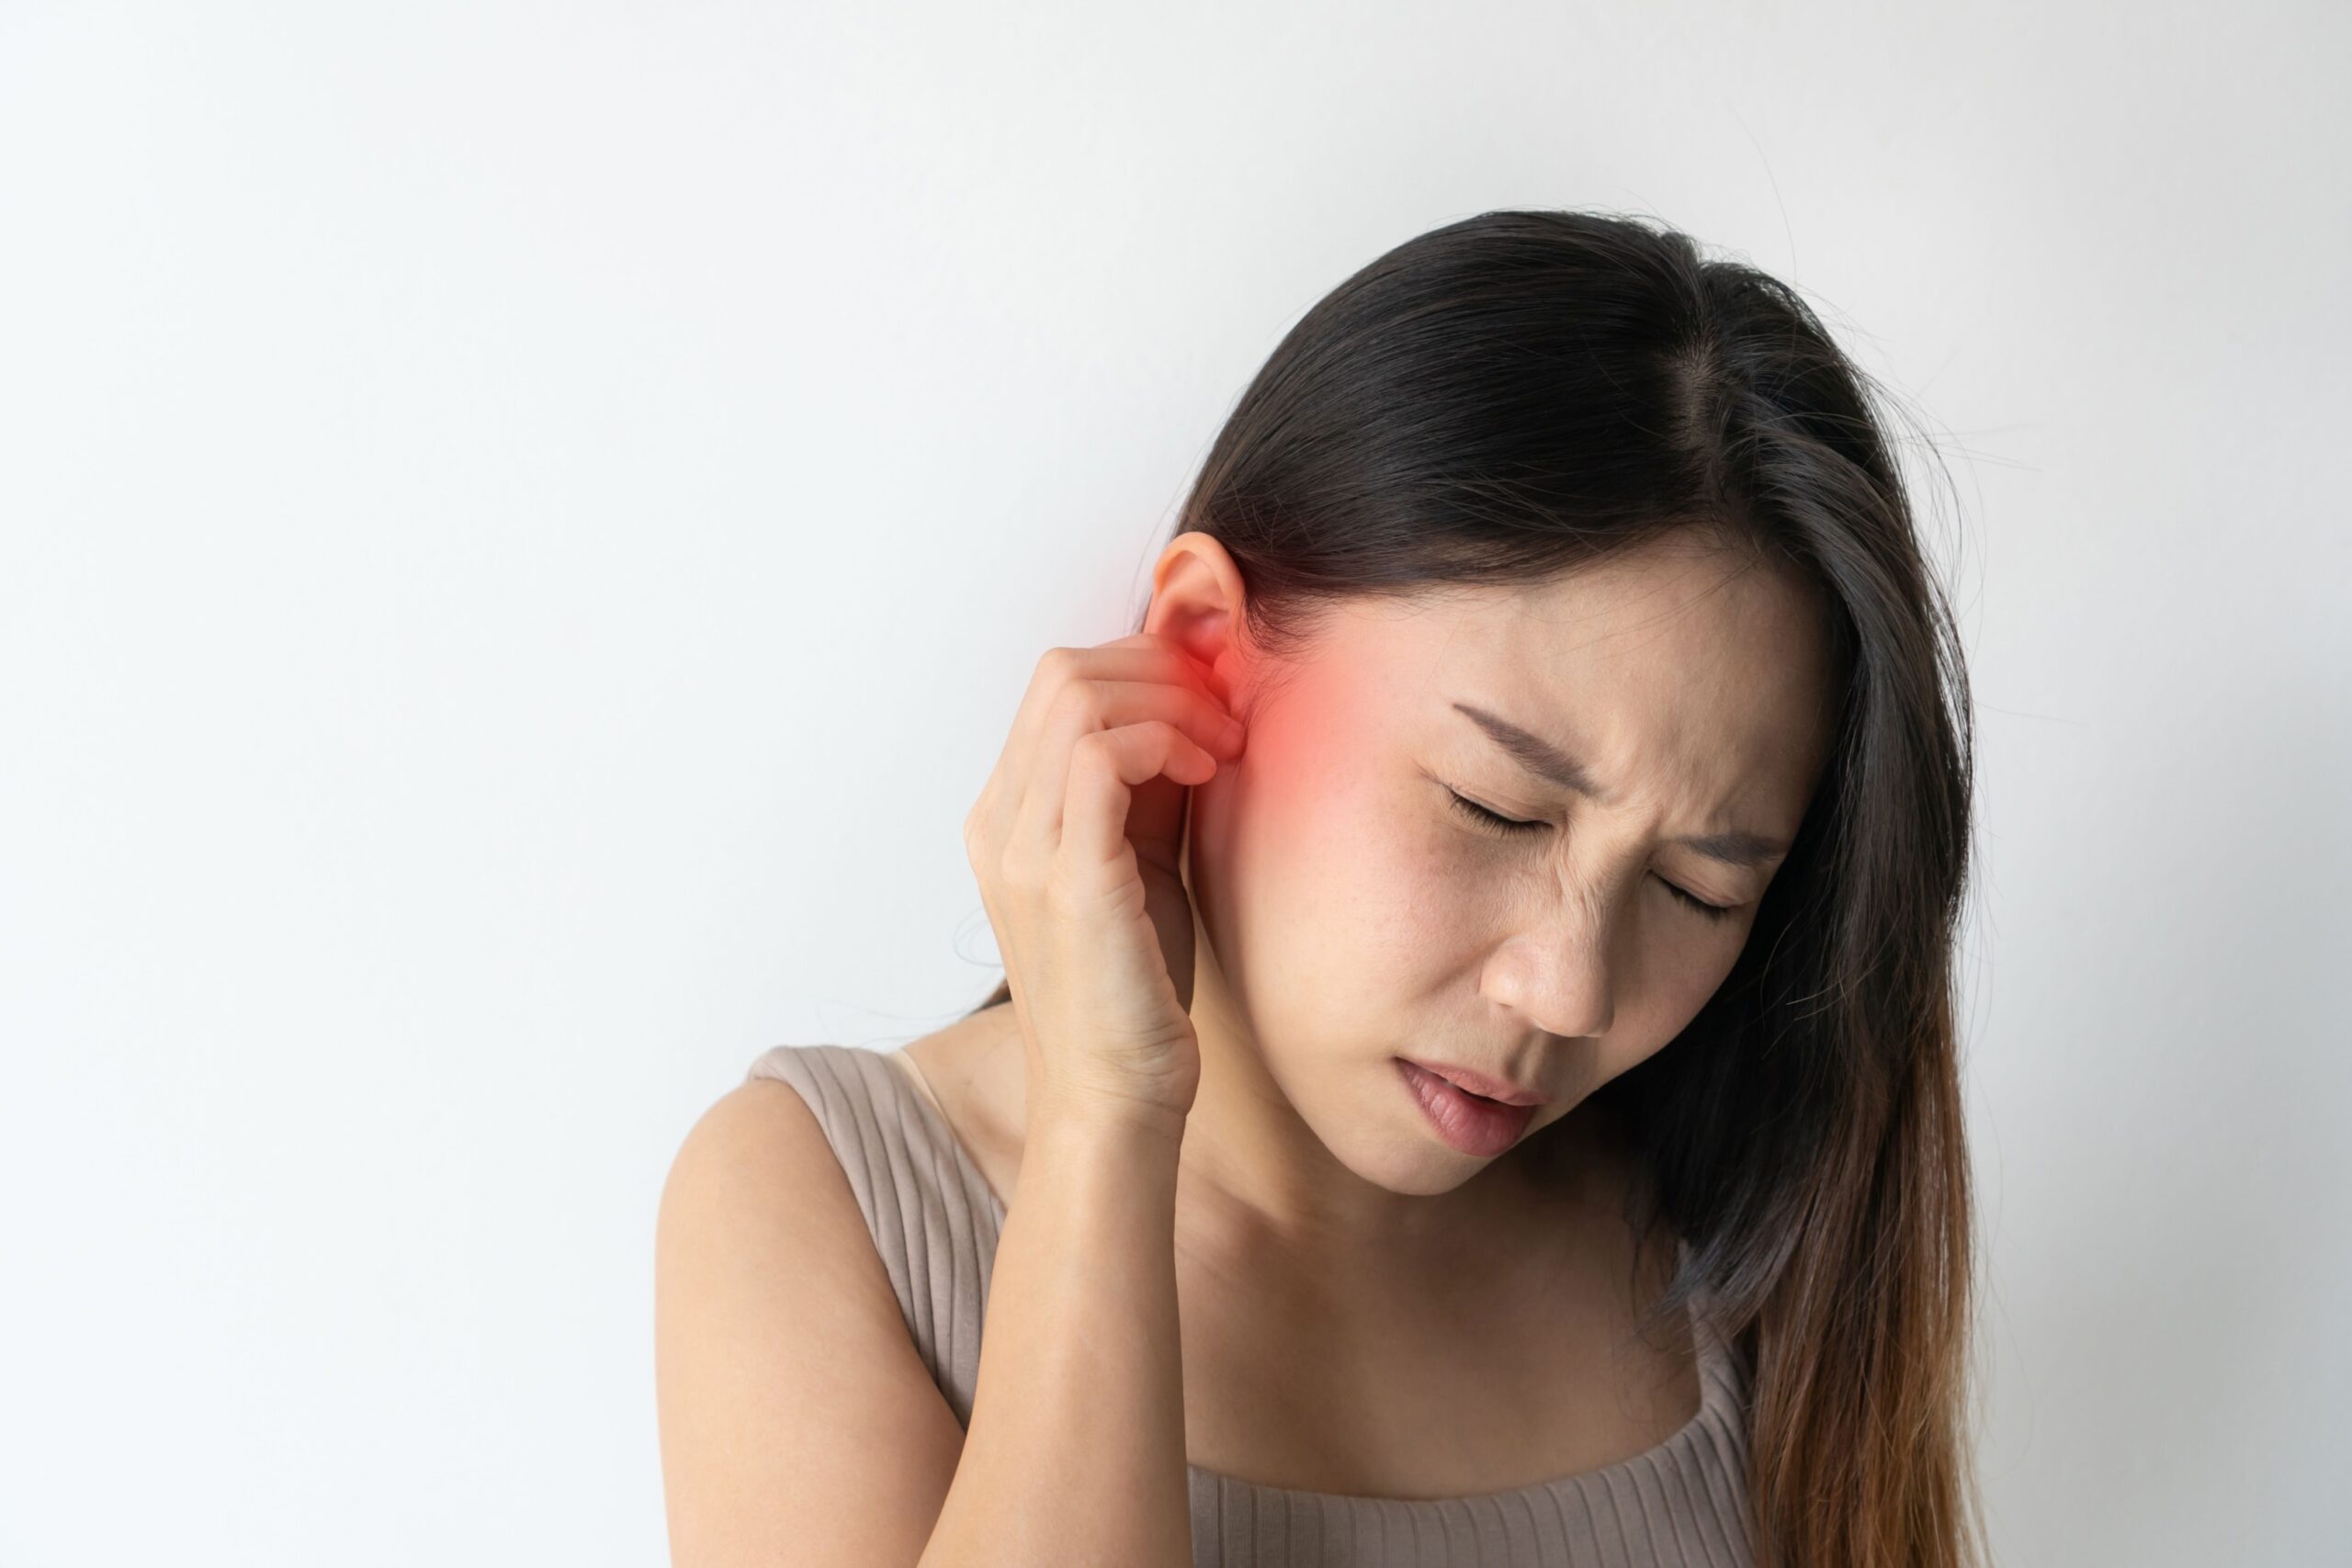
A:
x: 1075, y: 1450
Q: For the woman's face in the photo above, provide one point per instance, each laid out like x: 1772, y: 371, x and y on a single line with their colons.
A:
x: 1354, y: 911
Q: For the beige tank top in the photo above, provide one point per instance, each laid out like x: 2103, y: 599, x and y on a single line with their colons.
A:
x: 935, y: 1221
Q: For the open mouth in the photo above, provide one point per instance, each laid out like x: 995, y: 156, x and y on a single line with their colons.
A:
x: 1472, y: 1124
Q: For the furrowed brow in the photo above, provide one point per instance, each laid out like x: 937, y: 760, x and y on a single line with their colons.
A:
x: 1555, y: 767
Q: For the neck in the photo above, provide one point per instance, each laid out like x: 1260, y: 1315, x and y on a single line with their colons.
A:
x: 1254, y: 1178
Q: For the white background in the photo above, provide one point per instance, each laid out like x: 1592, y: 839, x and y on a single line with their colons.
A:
x: 525, y: 525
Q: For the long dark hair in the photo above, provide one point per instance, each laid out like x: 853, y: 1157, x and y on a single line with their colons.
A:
x: 1525, y: 392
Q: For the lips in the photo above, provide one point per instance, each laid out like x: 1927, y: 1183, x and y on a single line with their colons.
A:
x: 1468, y: 1122
x: 1485, y: 1084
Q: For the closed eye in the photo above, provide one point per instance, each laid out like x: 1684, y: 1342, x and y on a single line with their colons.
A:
x: 1494, y: 822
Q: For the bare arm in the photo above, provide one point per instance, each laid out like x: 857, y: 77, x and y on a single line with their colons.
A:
x: 800, y: 1428
x: 799, y: 1425
x: 1076, y: 1451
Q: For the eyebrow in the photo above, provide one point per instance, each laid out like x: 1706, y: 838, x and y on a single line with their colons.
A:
x: 1548, y: 763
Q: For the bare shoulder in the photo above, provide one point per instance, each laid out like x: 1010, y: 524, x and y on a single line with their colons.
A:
x: 797, y: 1421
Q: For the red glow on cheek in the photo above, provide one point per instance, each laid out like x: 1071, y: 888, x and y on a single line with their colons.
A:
x: 1327, y: 885
x: 1318, y: 741
x: 1324, y: 833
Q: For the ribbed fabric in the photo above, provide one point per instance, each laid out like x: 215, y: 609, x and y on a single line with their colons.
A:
x: 935, y: 1223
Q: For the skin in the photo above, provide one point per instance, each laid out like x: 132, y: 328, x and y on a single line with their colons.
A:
x: 1345, y: 913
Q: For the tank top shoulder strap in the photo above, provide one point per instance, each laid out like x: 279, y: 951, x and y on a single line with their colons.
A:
x: 933, y: 1220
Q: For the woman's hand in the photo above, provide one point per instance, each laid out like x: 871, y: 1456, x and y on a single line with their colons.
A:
x: 1075, y: 841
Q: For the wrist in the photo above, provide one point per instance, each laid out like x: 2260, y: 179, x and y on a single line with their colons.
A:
x: 1097, y: 1117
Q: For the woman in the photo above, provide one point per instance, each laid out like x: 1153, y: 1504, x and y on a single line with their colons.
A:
x: 1483, y: 948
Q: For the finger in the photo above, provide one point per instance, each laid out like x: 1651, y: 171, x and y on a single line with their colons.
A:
x: 1143, y: 656
x: 1201, y: 669
x: 1106, y: 769
x: 1095, y: 706
x: 1013, y: 809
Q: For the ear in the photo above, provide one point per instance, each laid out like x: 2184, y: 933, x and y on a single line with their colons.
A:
x: 1197, y: 602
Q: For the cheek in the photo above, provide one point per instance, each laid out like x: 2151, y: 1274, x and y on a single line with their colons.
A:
x: 1346, y: 889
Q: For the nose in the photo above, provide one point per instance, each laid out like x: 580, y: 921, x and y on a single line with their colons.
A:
x: 1557, y: 975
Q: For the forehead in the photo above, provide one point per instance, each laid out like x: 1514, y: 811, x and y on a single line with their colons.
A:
x: 1680, y: 665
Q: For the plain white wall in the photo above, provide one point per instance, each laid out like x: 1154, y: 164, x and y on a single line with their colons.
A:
x: 525, y: 525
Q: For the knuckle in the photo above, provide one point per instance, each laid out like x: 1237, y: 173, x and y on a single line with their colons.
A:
x: 1070, y: 698
x: 995, y: 861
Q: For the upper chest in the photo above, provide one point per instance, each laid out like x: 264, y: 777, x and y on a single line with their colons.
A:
x: 1515, y: 1372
